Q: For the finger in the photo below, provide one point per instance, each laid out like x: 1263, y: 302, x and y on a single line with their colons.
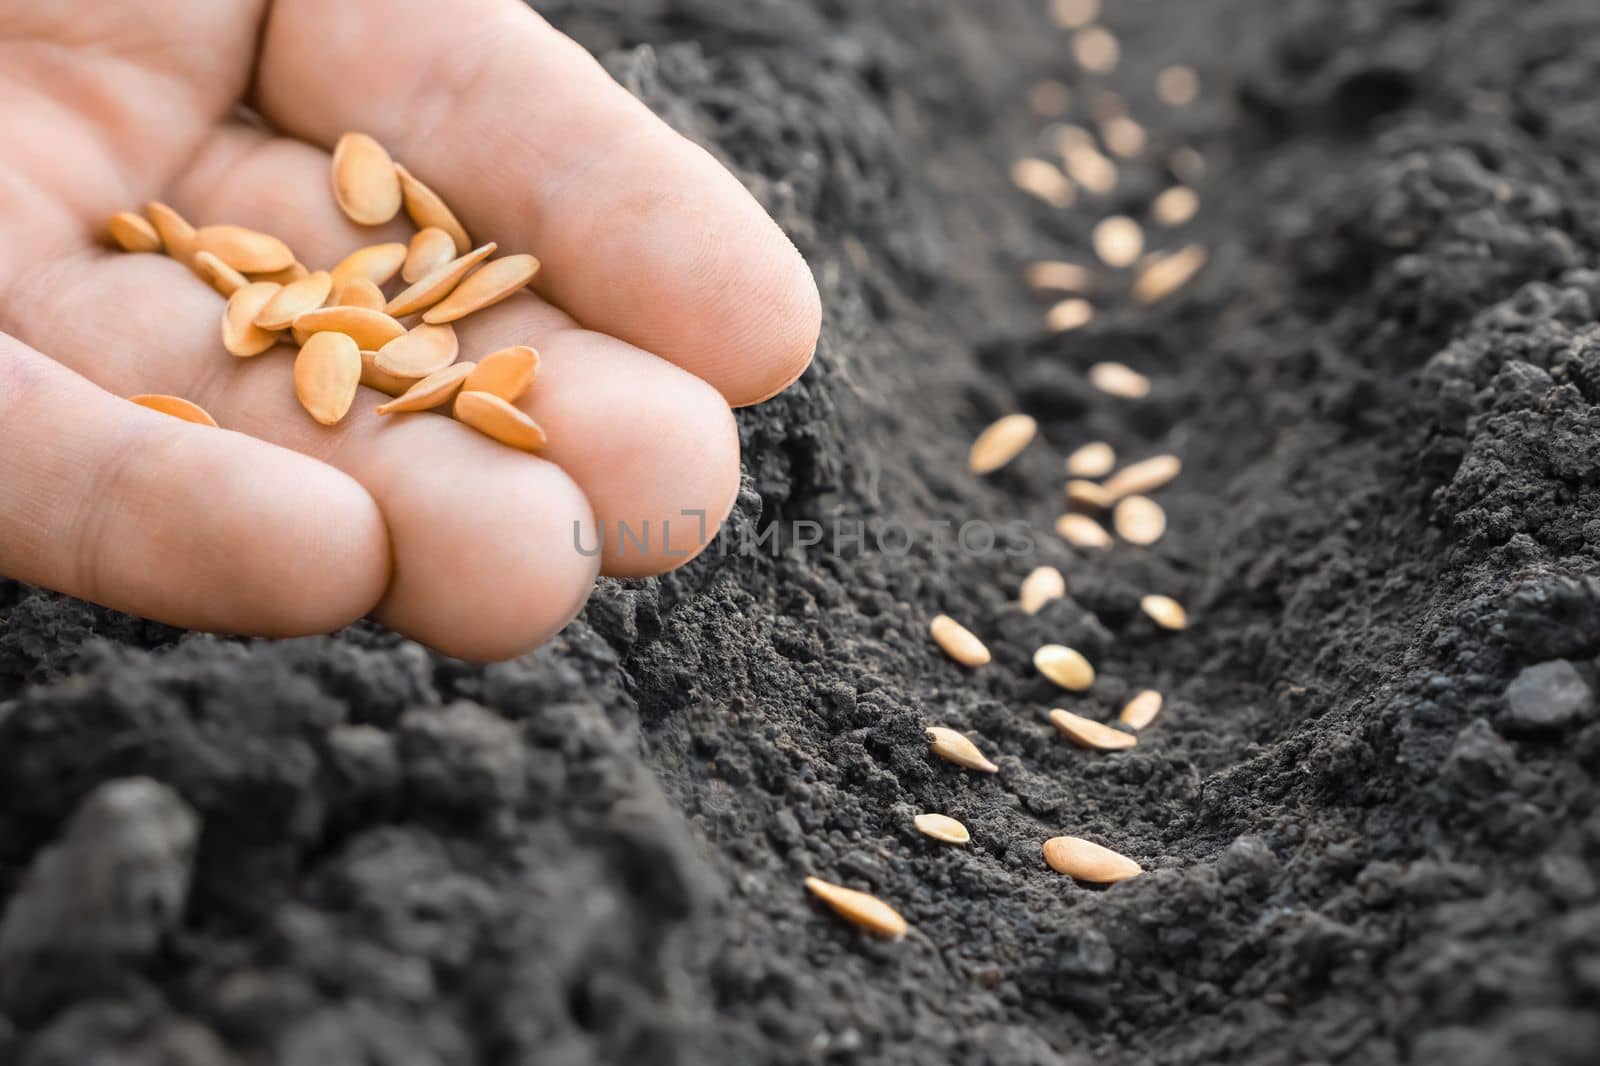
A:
x: 654, y: 448
x: 185, y: 524
x: 642, y: 234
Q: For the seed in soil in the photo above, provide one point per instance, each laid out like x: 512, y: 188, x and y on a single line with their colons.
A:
x: 246, y: 250
x: 1095, y: 49
x: 1074, y: 14
x: 359, y: 292
x: 1068, y: 315
x: 1165, y: 612
x: 429, y: 250
x: 1085, y: 163
x: 240, y: 334
x: 1052, y: 274
x: 1118, y: 241
x: 1168, y: 273
x: 218, y: 275
x: 435, y: 390
x: 382, y: 380
x: 494, y: 418
x: 1000, y: 443
x: 420, y: 352
x: 423, y: 294
x: 176, y: 406
x: 378, y: 263
x: 484, y: 287
x: 1139, y: 520
x: 427, y: 209
x: 1043, y: 180
x: 364, y: 180
x: 1123, y: 136
x: 958, y: 641
x: 508, y: 373
x: 1042, y: 585
x: 1175, y: 206
x: 1141, y: 710
x: 1090, y: 495
x: 177, y: 236
x: 326, y: 374
x: 1188, y: 165
x: 1095, y: 459
x: 1087, y: 733
x: 1177, y: 86
x: 371, y: 330
x: 133, y: 232
x: 1144, y: 477
x: 1085, y: 860
x: 942, y: 827
x: 1082, y: 531
x: 859, y: 908
x: 1064, y: 666
x: 1049, y: 98
x: 1115, y: 379
x: 294, y: 299
x: 951, y: 746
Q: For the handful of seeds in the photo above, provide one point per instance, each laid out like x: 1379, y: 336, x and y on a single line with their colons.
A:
x: 349, y: 333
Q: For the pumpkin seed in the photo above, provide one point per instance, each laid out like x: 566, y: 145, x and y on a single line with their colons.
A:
x: 177, y: 236
x: 371, y: 330
x: 1165, y: 611
x: 378, y: 263
x: 1175, y: 206
x: 1166, y: 274
x: 484, y: 287
x: 942, y: 827
x: 1068, y: 315
x: 1115, y: 379
x: 1000, y: 443
x: 1118, y: 241
x: 176, y: 406
x: 508, y: 373
x: 240, y: 334
x: 493, y: 417
x: 246, y: 250
x: 1050, y: 274
x: 430, y: 249
x: 1064, y: 666
x: 427, y: 209
x: 294, y: 299
x: 953, y: 747
x: 382, y: 380
x: 436, y: 286
x: 1095, y: 459
x: 133, y: 232
x: 364, y: 180
x: 1144, y: 477
x: 1082, y: 531
x: 1087, y: 733
x: 958, y: 641
x: 1139, y: 520
x: 1088, y: 861
x: 326, y: 374
x: 1044, y: 180
x: 1142, y: 709
x: 859, y: 908
x: 1042, y: 585
x: 1177, y: 86
x: 218, y: 275
x: 359, y: 292
x: 1089, y: 494
x: 435, y: 390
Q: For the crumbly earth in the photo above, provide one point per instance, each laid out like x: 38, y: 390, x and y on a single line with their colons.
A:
x: 1369, y: 829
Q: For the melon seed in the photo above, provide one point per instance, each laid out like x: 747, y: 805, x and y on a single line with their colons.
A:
x: 1177, y: 86
x: 1175, y: 206
x: 378, y: 263
x: 427, y: 209
x: 1042, y: 585
x: 1144, y: 477
x: 1095, y: 459
x: 294, y: 299
x: 176, y: 406
x: 958, y: 641
x: 485, y: 287
x: 1068, y: 315
x: 364, y: 180
x: 1088, y: 861
x: 859, y: 908
x: 1082, y: 531
x: 240, y: 334
x: 1044, y: 180
x: 1168, y: 273
x: 326, y: 374
x: 371, y: 330
x: 1087, y: 733
x: 1139, y: 520
x: 1118, y: 241
x: 359, y: 292
x: 430, y: 249
x: 1050, y: 274
x: 497, y: 419
x: 508, y: 373
x: 382, y: 380
x: 1065, y: 666
x: 1000, y: 443
x: 1142, y: 709
x: 434, y: 287
x: 1115, y: 379
x: 435, y: 390
x: 1089, y: 494
x: 1095, y: 49
x: 246, y: 250
x: 953, y: 747
x: 218, y: 275
x: 177, y: 236
x: 1165, y: 611
x: 942, y: 827
x: 422, y: 351
x: 133, y: 233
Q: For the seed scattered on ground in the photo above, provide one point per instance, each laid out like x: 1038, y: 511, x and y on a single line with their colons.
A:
x: 1085, y: 163
x: 508, y: 373
x: 1177, y: 86
x: 419, y: 352
x: 427, y: 292
x: 218, y: 275
x: 942, y: 827
x: 1141, y: 710
x: 1087, y: 733
x: 951, y: 746
x: 1087, y: 861
x: 1069, y: 277
x: 859, y: 908
x: 1188, y: 164
x: 429, y: 250
x: 1175, y: 206
x: 1123, y: 136
x: 364, y: 180
x: 326, y: 374
x: 1001, y: 442
x: 1064, y: 666
x: 1095, y: 459
x: 1115, y: 379
x: 484, y: 287
x: 1118, y: 241
x: 1082, y: 531
x: 177, y: 236
x: 1073, y: 14
x: 1139, y: 520
x: 133, y: 232
x: 1105, y: 105
x: 435, y: 390
x: 957, y: 641
x: 427, y: 209
x: 1165, y: 612
x: 295, y: 299
x: 1042, y: 585
x: 246, y: 250
x: 1090, y: 495
x: 371, y: 330
x: 1044, y: 180
x: 176, y: 406
x: 359, y: 292
x: 381, y: 380
x: 1095, y: 49
x: 494, y: 418
x: 1167, y: 273
x: 378, y: 263
x: 240, y: 334
x: 1145, y: 476
x: 1068, y: 315
x: 1049, y: 99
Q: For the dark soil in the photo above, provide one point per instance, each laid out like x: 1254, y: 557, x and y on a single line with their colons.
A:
x: 1369, y: 830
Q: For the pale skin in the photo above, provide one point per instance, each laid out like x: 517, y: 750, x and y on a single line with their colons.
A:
x: 666, y: 295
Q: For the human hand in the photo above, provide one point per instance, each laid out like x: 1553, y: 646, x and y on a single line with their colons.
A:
x: 690, y: 299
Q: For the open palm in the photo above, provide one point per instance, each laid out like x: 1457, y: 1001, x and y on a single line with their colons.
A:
x: 666, y: 295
